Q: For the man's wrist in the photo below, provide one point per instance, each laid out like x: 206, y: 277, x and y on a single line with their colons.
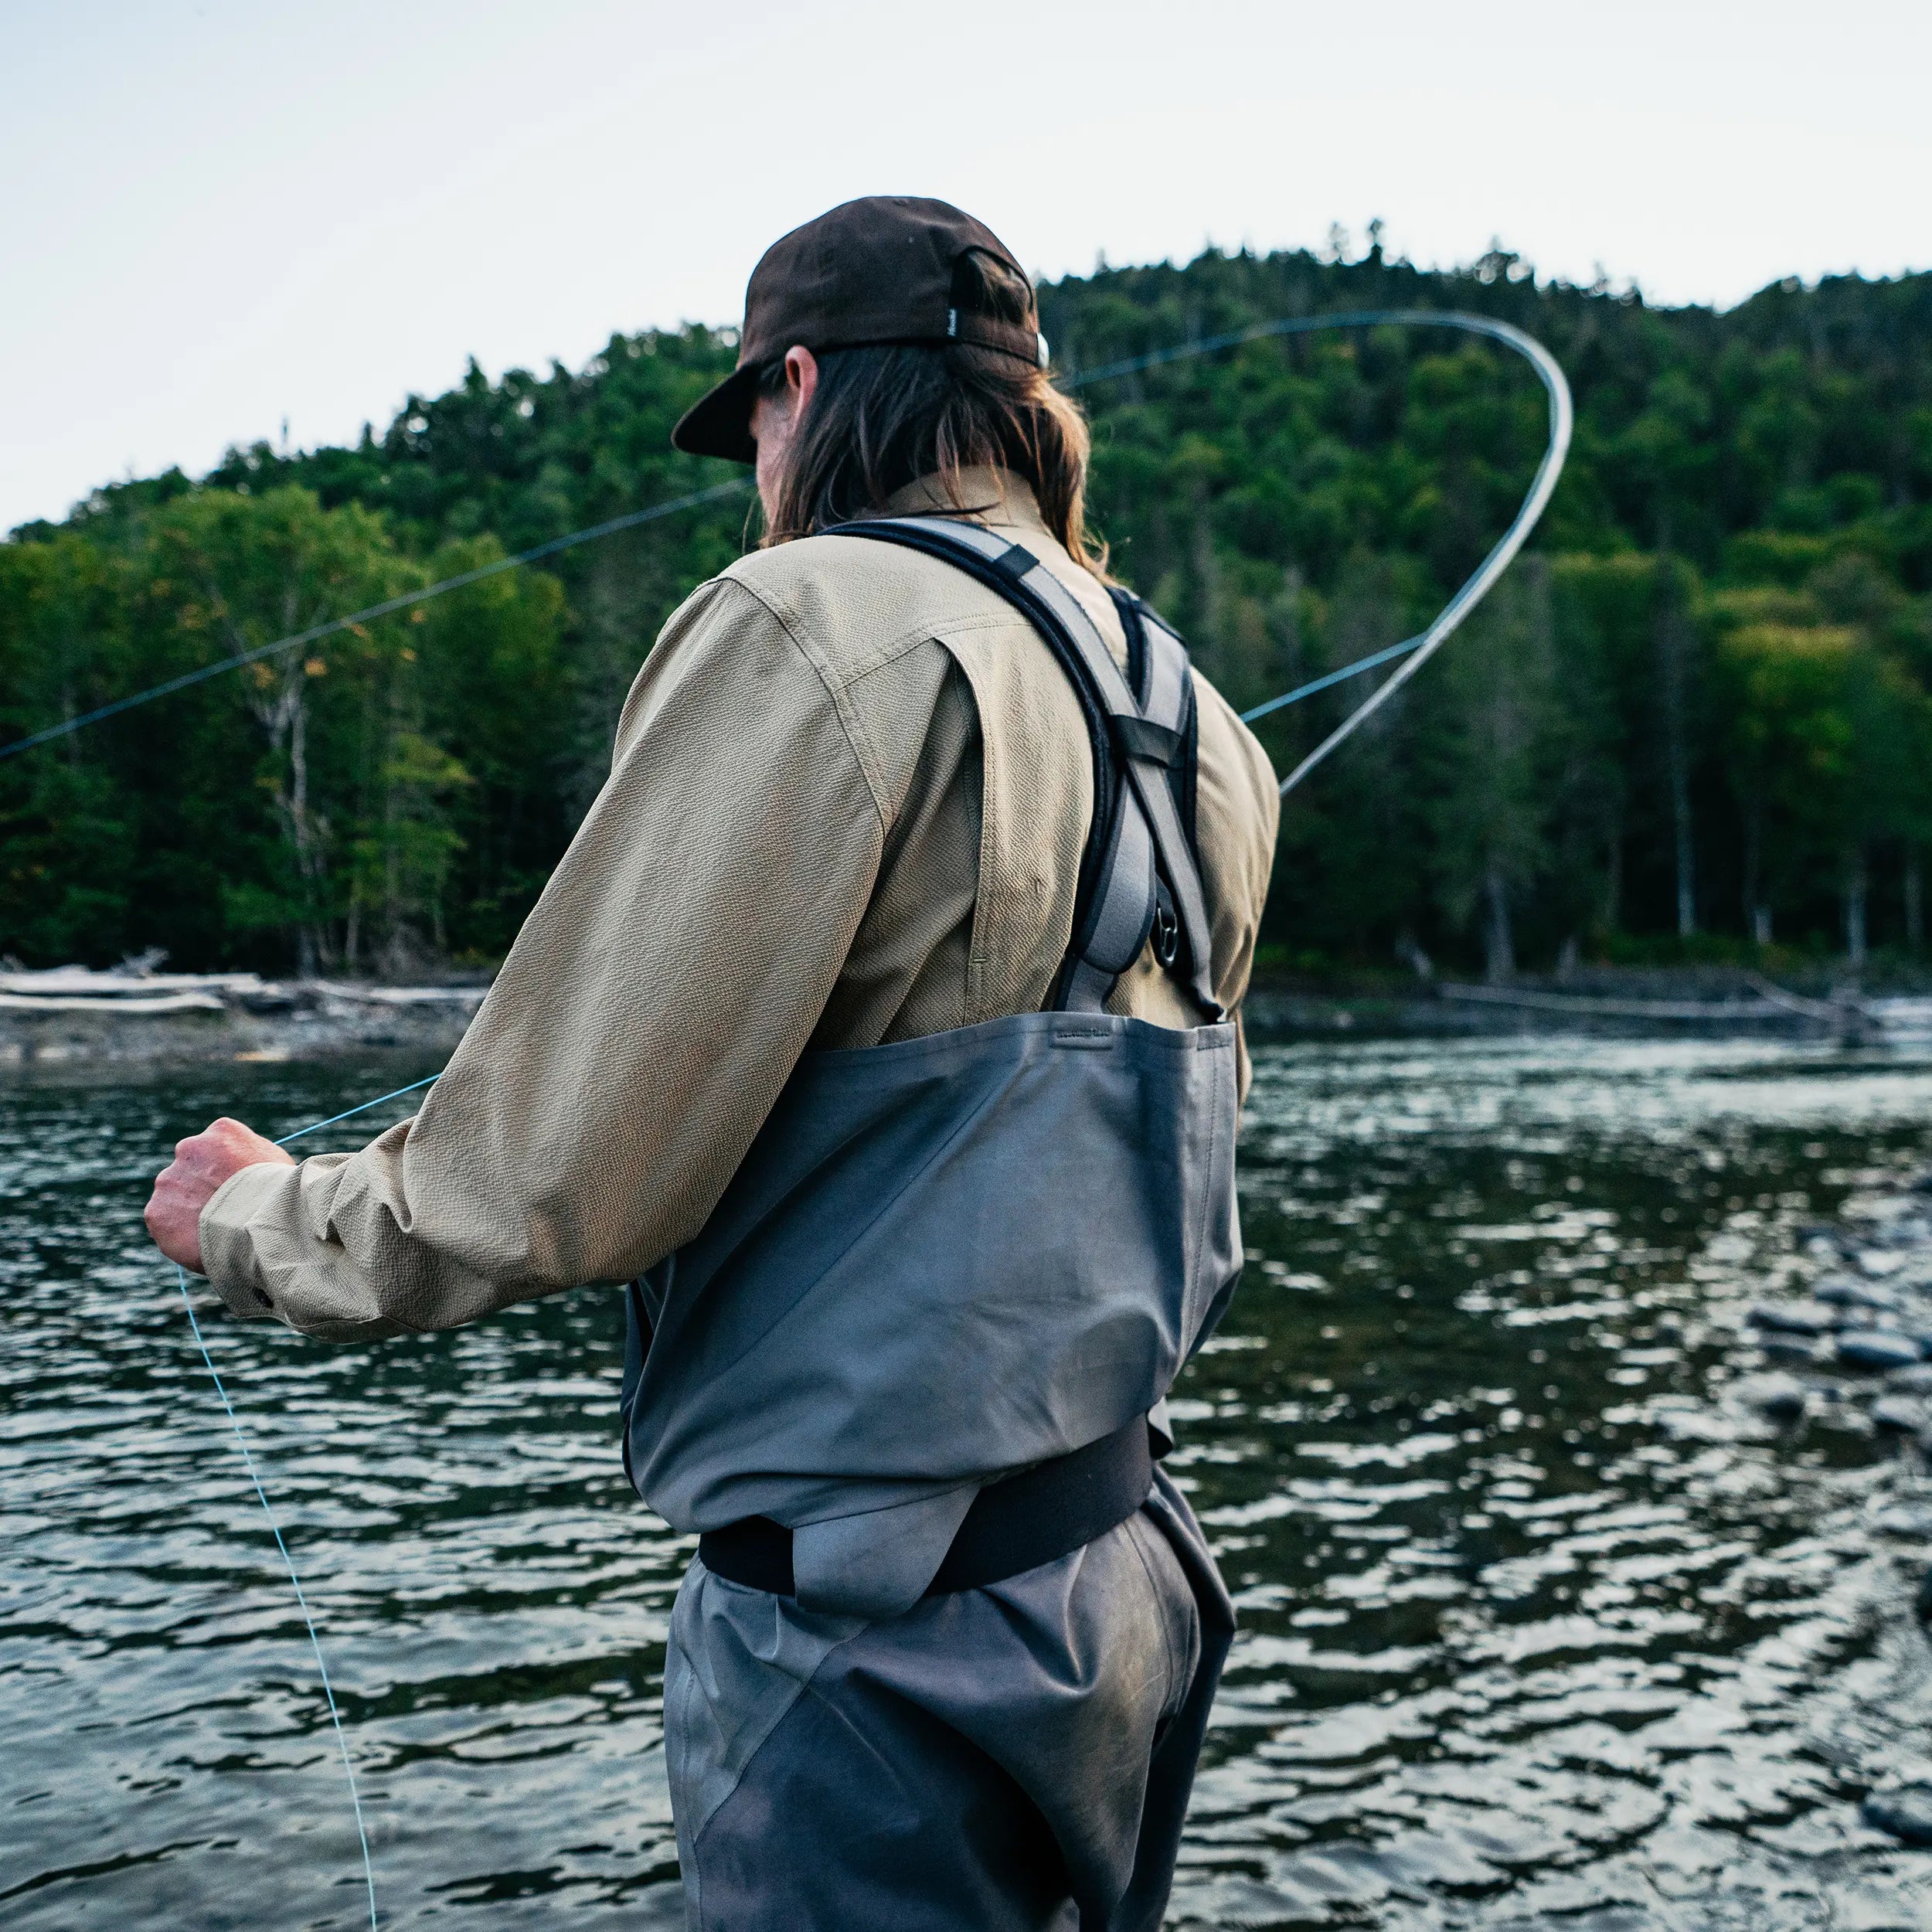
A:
x: 228, y: 1250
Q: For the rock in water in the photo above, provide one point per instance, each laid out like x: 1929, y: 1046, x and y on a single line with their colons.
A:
x: 1841, y: 1291
x: 1905, y: 1811
x: 1905, y: 1414
x: 1781, y: 1397
x: 1795, y: 1318
x: 1877, y: 1348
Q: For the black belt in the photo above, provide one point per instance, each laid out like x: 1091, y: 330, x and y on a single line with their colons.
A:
x: 1014, y: 1525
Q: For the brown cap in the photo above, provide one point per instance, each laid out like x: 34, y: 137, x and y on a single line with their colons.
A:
x: 878, y: 270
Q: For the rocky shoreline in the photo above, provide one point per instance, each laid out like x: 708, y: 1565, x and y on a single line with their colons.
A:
x: 139, y: 1016
x: 1631, y: 1001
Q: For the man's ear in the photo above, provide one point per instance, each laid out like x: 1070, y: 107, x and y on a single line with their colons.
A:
x: 801, y: 379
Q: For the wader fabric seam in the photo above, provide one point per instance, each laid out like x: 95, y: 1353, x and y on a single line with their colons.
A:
x: 693, y: 1883
x: 1200, y: 1231
x: 1048, y: 1020
x: 1176, y: 1683
x: 801, y: 1686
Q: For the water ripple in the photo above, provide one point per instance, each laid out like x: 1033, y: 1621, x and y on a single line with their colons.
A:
x: 1544, y: 1624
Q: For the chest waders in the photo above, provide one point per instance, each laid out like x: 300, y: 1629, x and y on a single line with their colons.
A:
x: 907, y: 1383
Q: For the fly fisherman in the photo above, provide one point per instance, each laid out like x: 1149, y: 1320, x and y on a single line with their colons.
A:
x: 875, y: 1029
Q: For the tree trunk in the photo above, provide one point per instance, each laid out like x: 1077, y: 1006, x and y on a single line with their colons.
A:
x: 311, y: 943
x: 1499, y: 946
x: 1686, y: 856
x: 1410, y: 953
x: 1855, y: 895
x: 284, y: 717
x: 1754, y: 849
x: 1673, y: 652
x: 1207, y: 577
x: 1914, y: 901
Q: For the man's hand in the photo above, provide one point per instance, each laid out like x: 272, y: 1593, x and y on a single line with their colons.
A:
x: 202, y: 1163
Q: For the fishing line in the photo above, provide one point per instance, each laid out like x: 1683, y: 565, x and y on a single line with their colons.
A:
x: 1483, y: 578
x: 349, y: 1113
x: 1425, y: 646
x: 1480, y: 581
x: 1308, y: 690
x: 389, y: 606
x: 261, y: 1494
x: 275, y: 1529
x: 1417, y: 651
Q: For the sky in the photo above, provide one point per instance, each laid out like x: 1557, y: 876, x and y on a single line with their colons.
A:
x: 221, y: 217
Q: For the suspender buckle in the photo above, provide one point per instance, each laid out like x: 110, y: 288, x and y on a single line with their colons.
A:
x: 1166, y: 935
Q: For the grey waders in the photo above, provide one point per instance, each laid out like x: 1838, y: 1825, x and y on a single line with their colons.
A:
x: 945, y: 1659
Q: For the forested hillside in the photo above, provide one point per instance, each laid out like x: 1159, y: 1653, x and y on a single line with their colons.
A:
x: 1693, y: 722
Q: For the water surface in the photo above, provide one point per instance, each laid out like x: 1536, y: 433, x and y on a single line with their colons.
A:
x: 1541, y: 1626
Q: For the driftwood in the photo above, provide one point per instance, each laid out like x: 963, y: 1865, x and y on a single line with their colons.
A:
x: 133, y: 1013
x: 1764, y: 1003
x: 134, y: 991
x: 1588, y: 1005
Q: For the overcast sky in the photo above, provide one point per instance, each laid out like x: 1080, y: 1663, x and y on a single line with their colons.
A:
x: 219, y: 215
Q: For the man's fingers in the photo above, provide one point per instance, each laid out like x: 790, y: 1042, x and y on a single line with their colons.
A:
x: 172, y: 1216
x: 203, y: 1163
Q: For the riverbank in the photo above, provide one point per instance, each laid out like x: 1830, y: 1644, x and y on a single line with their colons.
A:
x: 1715, y: 1002
x: 137, y: 1015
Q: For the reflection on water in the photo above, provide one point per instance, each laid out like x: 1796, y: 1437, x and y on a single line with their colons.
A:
x: 1541, y: 1625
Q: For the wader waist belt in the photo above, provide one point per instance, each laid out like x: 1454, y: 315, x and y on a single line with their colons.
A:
x: 1013, y: 1525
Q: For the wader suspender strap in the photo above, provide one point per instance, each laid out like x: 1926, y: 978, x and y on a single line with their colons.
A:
x: 1139, y: 875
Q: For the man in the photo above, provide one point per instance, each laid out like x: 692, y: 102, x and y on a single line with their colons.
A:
x: 874, y: 1029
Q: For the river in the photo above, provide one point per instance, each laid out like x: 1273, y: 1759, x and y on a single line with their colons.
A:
x: 1542, y: 1626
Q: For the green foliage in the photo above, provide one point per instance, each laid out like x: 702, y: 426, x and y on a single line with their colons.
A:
x: 1695, y: 721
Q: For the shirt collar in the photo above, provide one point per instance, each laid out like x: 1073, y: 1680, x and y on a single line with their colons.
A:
x: 988, y: 495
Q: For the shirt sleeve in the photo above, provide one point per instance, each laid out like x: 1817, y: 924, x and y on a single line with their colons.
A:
x: 650, y: 1012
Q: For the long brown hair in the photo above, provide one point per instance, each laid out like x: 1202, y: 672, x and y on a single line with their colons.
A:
x: 885, y: 415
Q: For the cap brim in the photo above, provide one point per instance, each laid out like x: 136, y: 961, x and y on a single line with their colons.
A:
x: 719, y: 423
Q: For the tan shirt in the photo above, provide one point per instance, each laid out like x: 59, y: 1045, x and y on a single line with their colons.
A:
x: 849, y: 795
